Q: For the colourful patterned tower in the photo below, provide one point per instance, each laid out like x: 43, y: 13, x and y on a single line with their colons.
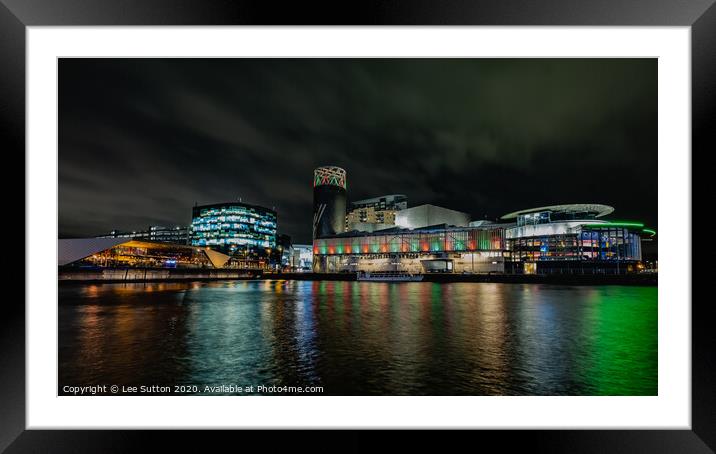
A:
x: 329, y: 201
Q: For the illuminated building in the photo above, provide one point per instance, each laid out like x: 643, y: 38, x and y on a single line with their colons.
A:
x: 329, y: 201
x: 174, y: 235
x: 302, y: 259
x: 369, y: 219
x: 138, y: 235
x: 281, y: 255
x: 394, y: 202
x: 426, y: 215
x: 376, y: 213
x: 234, y: 227
x: 434, y: 248
x: 123, y: 253
x: 572, y: 238
x: 556, y: 239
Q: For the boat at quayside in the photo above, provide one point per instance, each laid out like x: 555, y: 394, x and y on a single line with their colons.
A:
x: 389, y: 276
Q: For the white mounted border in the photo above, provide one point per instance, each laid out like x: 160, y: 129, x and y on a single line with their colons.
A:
x: 670, y: 409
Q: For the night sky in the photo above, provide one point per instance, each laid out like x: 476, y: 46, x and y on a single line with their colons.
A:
x: 142, y: 140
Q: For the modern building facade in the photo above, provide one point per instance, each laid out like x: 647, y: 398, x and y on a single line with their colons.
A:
x: 134, y: 234
x: 395, y: 202
x: 572, y: 238
x: 329, y: 201
x: 173, y: 235
x: 439, y: 248
x: 302, y: 259
x: 281, y: 256
x: 369, y: 219
x: 561, y: 239
x: 234, y: 228
x: 427, y: 215
x: 376, y: 213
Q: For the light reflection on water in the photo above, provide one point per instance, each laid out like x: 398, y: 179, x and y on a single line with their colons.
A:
x: 361, y: 338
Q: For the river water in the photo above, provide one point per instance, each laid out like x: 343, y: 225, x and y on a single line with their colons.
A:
x: 361, y: 338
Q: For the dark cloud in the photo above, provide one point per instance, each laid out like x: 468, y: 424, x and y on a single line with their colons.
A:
x: 142, y: 140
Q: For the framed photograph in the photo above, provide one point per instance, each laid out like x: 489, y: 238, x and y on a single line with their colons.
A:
x: 476, y: 216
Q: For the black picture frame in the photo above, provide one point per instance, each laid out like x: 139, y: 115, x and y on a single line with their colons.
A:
x: 16, y: 15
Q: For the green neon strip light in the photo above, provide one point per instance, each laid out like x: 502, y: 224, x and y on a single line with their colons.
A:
x: 649, y: 231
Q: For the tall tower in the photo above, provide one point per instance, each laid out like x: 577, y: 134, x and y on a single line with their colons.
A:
x: 329, y: 201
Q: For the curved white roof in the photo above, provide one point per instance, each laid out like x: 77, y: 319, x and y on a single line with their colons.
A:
x: 597, y: 209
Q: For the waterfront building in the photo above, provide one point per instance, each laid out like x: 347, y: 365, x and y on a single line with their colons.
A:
x: 395, y: 202
x: 173, y: 235
x: 135, y: 234
x: 571, y: 239
x: 369, y: 219
x: 329, y: 201
x: 235, y: 228
x: 376, y: 213
x: 130, y: 253
x: 427, y: 215
x: 281, y: 257
x: 439, y: 248
x: 302, y: 259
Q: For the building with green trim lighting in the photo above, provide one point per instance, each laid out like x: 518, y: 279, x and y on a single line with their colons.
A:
x: 557, y: 239
x: 571, y: 239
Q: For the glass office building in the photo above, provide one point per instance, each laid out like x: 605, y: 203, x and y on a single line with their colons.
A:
x: 234, y: 227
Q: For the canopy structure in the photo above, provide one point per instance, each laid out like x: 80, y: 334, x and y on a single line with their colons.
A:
x: 73, y: 250
x: 69, y: 251
x: 594, y: 208
x: 216, y: 258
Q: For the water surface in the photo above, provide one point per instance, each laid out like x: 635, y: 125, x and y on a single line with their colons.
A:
x: 363, y: 338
